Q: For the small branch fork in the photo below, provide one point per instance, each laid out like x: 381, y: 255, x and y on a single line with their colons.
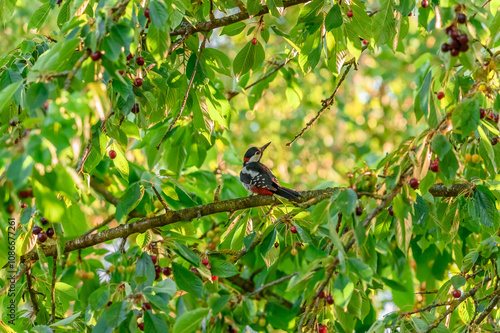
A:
x: 184, y: 101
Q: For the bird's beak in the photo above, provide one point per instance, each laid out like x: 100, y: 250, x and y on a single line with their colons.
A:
x: 264, y: 147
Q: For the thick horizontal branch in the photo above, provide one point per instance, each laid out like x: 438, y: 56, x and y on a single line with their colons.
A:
x: 189, y: 214
x: 227, y: 20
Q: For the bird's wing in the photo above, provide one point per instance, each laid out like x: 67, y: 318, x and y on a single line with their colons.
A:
x: 259, y: 175
x: 271, y: 174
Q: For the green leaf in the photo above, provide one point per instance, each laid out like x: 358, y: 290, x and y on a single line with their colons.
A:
x: 484, y: 203
x: 74, y: 221
x: 469, y: 261
x: 342, y: 290
x: 129, y: 201
x: 334, y: 18
x: 345, y: 201
x: 120, y: 162
x: 190, y: 320
x: 222, y: 268
x: 187, y: 253
x: 39, y: 17
x: 466, y: 310
x: 310, y: 11
x: 458, y: 281
x: 384, y: 24
x: 65, y: 321
x: 361, y: 269
x: 158, y: 13
x: 99, y: 298
x: 19, y: 171
x: 65, y: 13
x: 154, y: 323
x: 246, y: 58
x: 36, y: 95
x: 187, y: 281
x: 273, y: 7
x: 158, y: 41
x: 268, y: 241
x: 253, y: 7
x: 166, y: 286
x: 233, y: 29
x: 7, y: 93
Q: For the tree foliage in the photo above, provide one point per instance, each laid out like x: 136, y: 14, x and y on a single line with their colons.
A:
x: 123, y: 126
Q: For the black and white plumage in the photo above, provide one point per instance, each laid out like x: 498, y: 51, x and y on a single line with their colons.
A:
x: 257, y: 178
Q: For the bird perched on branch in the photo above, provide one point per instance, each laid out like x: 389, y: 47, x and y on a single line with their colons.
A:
x: 257, y: 178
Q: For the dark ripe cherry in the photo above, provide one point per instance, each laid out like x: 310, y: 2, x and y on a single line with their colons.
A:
x: 322, y: 329
x: 410, y: 14
x: 109, y: 304
x: 157, y: 268
x: 440, y: 95
x: 12, y: 123
x: 138, y: 82
x: 457, y: 293
x: 434, y: 167
x: 204, y: 261
x: 359, y: 211
x: 350, y: 13
x: 154, y: 259
x: 167, y: 271
x: 454, y: 52
x: 461, y: 18
x: 449, y: 29
x: 50, y: 232
x: 59, y: 2
x: 36, y: 230
x: 494, y: 141
x: 425, y: 3
x: 135, y: 108
x: 454, y: 44
x: 146, y: 306
x: 495, y: 117
x: 463, y: 39
x: 445, y: 47
x: 139, y: 61
x: 130, y: 56
x: 254, y: 41
x: 157, y: 275
x: 140, y: 326
x: 454, y: 33
x: 121, y: 72
x: 293, y: 229
x: 23, y: 205
x: 42, y: 237
x: 329, y: 299
x: 112, y: 154
x: 146, y: 12
x: 25, y: 194
x: 391, y: 211
x: 414, y: 183
x: 321, y: 294
x: 95, y: 55
x: 194, y: 269
x: 276, y: 244
x: 46, y: 105
x: 464, y: 47
x: 482, y: 113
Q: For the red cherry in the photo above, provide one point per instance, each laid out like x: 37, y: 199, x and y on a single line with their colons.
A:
x: 12, y: 123
x: 414, y: 183
x: 204, y: 261
x: 42, y: 237
x: 254, y: 41
x: 135, y: 108
x: 157, y: 269
x: 138, y: 82
x: 36, y: 230
x: 329, y: 299
x: 146, y: 306
x: 25, y: 194
x: 209, y: 267
x: 154, y: 259
x: 109, y: 304
x: 140, y: 326
x: 350, y: 13
x: 321, y: 294
x: 445, y: 47
x: 46, y: 105
x: 482, y: 113
x: 410, y: 14
x: 121, y: 72
x: 454, y: 52
x: 112, y: 154
x: 495, y: 117
x: 130, y: 56
x: 157, y: 275
x: 391, y: 211
x: 43, y: 220
x: 425, y: 3
x: 457, y: 293
x: 95, y: 55
x: 146, y: 12
x: 214, y: 278
x: 461, y: 18
x: 23, y: 205
x: 434, y: 167
x: 194, y: 269
x: 50, y: 232
x: 293, y: 229
x: 494, y: 141
x: 322, y: 329
x: 139, y: 61
x: 359, y: 211
x: 167, y: 271
x: 440, y: 95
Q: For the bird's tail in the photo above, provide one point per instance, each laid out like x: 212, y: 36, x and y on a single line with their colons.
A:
x: 287, y: 193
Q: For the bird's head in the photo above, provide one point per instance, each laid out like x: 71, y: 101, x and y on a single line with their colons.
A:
x: 254, y: 154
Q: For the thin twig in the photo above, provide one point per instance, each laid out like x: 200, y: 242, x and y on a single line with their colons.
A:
x: 202, y: 47
x: 100, y: 225
x: 86, y: 153
x: 32, y: 293
x: 259, y: 290
x: 326, y: 104
x: 53, y: 289
x: 75, y: 69
x: 160, y: 198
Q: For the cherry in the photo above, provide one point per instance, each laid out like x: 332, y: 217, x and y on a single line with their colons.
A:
x: 211, y: 246
x: 12, y: 123
x: 157, y: 275
x: 293, y: 252
x: 146, y: 306
x: 454, y: 33
x: 112, y: 154
x: 194, y: 269
x: 321, y: 294
x: 391, y: 211
x: 209, y: 267
x: 146, y: 12
x: 214, y: 278
x: 95, y: 55
x: 109, y: 304
x: 154, y: 259
x: 254, y: 41
x: 121, y: 72
x: 475, y: 158
x: 410, y: 14
x: 434, y: 167
x: 463, y: 39
x: 457, y: 293
x: 135, y: 108
x: 495, y: 117
x: 140, y: 326
x: 322, y: 329
x: 42, y: 237
x: 464, y: 47
x: 440, y: 95
x: 350, y: 13
x: 425, y: 3
x: 461, y: 18
x: 445, y: 47
x: 167, y: 271
x: 276, y: 244
x: 157, y: 269
x: 138, y: 82
x: 204, y: 261
x: 25, y: 194
x: 293, y: 229
x: 329, y: 299
x: 454, y: 52
x: 494, y: 141
x: 46, y: 105
x: 359, y: 211
x: 36, y: 230
x: 130, y: 56
x: 121, y: 269
x: 139, y: 61
x: 350, y: 175
x: 490, y: 115
x: 414, y: 183
x: 482, y: 113
x: 50, y: 232
x: 23, y: 205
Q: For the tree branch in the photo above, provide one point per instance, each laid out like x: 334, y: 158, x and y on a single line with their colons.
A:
x: 270, y: 284
x: 32, y: 293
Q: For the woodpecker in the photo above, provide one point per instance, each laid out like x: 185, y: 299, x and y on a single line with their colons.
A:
x: 257, y: 178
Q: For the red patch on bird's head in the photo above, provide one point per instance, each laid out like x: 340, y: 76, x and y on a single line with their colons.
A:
x: 246, y: 159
